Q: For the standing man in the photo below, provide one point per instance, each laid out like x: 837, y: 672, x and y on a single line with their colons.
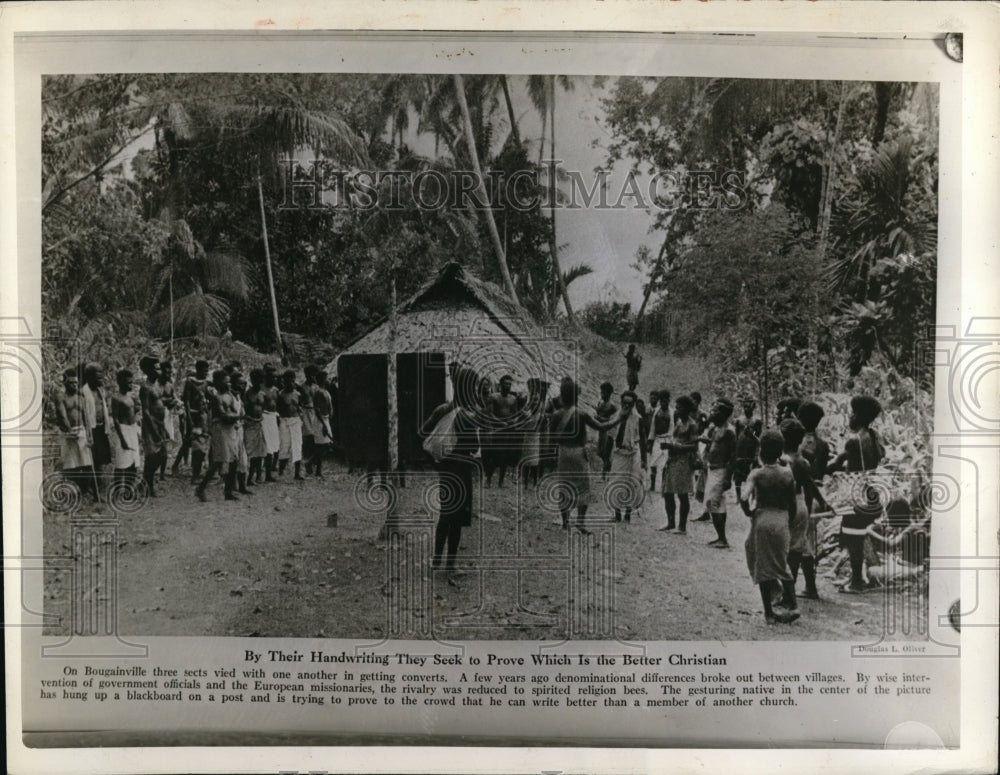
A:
x: 225, y: 443
x: 503, y: 444
x: 605, y: 411
x: 863, y: 451
x: 678, y: 481
x: 125, y: 439
x: 323, y: 407
x: 238, y: 388
x: 95, y: 407
x: 75, y: 442
x: 269, y: 421
x: 720, y: 457
x: 659, y: 433
x: 165, y: 380
x: 629, y: 454
x: 699, y: 475
x: 308, y: 415
x: 633, y: 363
x: 253, y: 426
x: 747, y: 445
x: 194, y: 404
x: 456, y: 468
x: 154, y: 433
x: 289, y: 425
x: 531, y: 449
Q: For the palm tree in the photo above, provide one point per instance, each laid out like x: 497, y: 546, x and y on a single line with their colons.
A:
x: 878, y: 219
x: 209, y: 282
x: 542, y: 90
x: 269, y: 116
x: 490, y: 221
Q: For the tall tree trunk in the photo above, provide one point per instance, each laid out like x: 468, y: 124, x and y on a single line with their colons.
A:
x: 541, y: 141
x: 830, y: 167
x: 171, y: 284
x: 884, y: 92
x: 825, y: 215
x: 267, y: 259
x: 553, y: 245
x: 391, y: 377
x: 654, y: 275
x: 766, y: 411
x: 490, y: 221
x: 510, y: 110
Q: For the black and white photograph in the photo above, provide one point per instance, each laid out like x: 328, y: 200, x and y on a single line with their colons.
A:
x: 493, y: 356
x: 427, y: 387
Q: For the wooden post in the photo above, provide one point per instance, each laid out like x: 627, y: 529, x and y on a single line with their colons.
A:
x: 270, y: 273
x: 393, y: 415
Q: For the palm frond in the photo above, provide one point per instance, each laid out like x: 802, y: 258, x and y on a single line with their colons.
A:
x: 876, y: 221
x: 286, y: 126
x: 225, y: 273
x: 196, y: 314
x: 576, y: 272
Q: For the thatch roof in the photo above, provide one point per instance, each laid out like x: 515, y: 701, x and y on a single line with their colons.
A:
x: 474, y: 322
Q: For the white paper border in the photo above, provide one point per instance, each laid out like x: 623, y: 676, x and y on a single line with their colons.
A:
x: 980, y: 208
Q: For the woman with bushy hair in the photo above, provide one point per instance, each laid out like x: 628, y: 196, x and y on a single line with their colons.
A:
x: 568, y: 430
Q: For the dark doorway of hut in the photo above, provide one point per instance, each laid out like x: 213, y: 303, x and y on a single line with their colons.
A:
x: 364, y: 412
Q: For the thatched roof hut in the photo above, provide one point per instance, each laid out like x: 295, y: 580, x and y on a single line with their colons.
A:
x: 474, y: 322
x: 454, y: 317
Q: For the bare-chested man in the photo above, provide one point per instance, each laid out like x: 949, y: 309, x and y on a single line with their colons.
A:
x: 125, y: 438
x: 503, y: 445
x: 225, y: 441
x: 289, y: 425
x: 253, y: 427
x: 606, y: 409
x: 76, y: 439
x: 196, y: 438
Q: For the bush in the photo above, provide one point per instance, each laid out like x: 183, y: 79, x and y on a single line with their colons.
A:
x: 613, y: 320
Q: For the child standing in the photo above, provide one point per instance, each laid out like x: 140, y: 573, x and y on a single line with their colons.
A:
x: 802, y: 550
x: 768, y: 498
